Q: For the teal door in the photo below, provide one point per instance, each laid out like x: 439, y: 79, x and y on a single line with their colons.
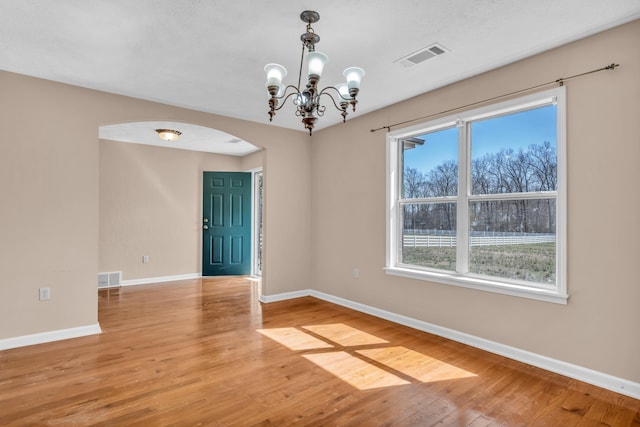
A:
x: 226, y: 224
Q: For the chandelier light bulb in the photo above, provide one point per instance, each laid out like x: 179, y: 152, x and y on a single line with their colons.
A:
x: 315, y: 63
x: 275, y: 74
x: 354, y: 76
x: 343, y: 90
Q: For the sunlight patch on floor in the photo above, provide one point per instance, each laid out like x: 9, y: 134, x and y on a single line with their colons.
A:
x: 360, y: 374
x: 344, y: 335
x: 416, y: 365
x: 361, y: 359
x: 294, y: 339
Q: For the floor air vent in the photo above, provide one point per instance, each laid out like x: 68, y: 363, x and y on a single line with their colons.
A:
x: 422, y: 55
x: 108, y: 280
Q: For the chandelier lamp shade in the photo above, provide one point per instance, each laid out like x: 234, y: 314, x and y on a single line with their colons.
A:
x: 308, y: 99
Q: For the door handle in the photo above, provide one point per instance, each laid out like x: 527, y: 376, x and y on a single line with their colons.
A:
x: 205, y: 227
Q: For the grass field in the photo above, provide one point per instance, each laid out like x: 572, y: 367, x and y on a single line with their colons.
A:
x: 531, y: 262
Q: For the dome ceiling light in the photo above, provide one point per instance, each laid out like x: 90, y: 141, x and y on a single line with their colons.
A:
x: 169, y: 134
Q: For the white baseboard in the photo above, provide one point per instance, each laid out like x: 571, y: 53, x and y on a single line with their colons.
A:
x: 44, y: 337
x: 160, y: 279
x: 284, y: 296
x: 600, y: 379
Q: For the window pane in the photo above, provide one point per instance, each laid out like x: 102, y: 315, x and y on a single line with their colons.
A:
x: 429, y: 235
x: 515, y: 153
x: 430, y: 165
x: 514, y: 239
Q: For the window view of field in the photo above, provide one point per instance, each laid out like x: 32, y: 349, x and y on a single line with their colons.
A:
x: 534, y: 262
x: 512, y: 183
x: 440, y: 258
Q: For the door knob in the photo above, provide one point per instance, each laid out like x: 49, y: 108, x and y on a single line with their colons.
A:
x: 205, y: 227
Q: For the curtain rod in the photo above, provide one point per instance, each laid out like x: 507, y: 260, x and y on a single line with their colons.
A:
x: 559, y: 82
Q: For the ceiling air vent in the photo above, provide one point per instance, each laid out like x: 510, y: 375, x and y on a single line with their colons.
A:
x: 422, y: 55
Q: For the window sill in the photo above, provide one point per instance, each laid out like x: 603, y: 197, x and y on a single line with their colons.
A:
x: 480, y: 284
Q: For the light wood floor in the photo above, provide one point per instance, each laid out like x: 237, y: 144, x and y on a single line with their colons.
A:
x: 206, y: 352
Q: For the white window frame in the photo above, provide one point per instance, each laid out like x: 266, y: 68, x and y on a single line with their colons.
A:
x: 551, y: 293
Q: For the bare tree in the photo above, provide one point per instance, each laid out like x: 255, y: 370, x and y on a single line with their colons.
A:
x: 413, y: 184
x: 505, y: 171
x: 443, y: 181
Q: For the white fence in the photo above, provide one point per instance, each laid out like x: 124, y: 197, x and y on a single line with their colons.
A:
x: 440, y: 241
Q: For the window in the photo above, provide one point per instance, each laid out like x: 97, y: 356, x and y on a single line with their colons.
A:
x: 478, y: 199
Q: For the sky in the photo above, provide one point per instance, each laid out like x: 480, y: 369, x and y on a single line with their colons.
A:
x: 518, y: 130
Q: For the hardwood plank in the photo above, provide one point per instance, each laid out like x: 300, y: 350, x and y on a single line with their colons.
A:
x: 206, y: 352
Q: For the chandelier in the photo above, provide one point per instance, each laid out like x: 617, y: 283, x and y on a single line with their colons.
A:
x: 308, y: 99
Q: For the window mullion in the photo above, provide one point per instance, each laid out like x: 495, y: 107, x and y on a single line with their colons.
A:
x: 462, y: 218
x: 513, y: 196
x: 441, y: 199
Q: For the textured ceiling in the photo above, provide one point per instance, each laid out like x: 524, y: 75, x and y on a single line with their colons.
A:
x: 209, y: 55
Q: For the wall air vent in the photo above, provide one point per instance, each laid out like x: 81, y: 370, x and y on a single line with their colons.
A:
x: 109, y: 280
x: 422, y: 55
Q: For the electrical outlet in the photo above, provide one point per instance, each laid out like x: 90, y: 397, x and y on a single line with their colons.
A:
x: 356, y: 273
x: 44, y: 294
x: 145, y: 259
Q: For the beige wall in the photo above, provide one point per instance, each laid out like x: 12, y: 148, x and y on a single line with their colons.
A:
x: 599, y: 328
x: 252, y: 161
x: 50, y: 221
x: 49, y: 207
x: 151, y: 204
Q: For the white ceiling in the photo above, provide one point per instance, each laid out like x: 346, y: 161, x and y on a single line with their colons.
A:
x: 209, y: 55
